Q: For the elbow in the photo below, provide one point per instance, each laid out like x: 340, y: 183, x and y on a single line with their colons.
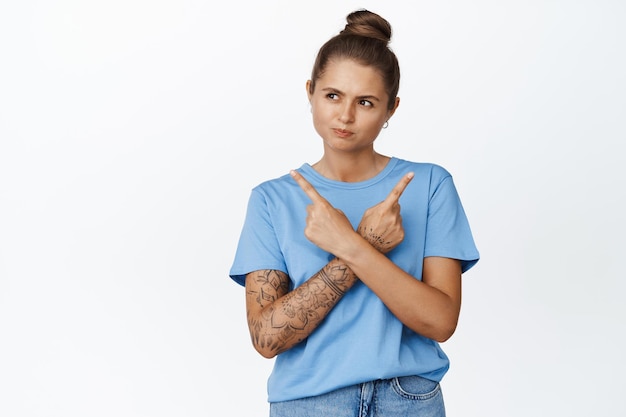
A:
x: 444, y: 336
x: 444, y: 328
x: 266, y: 353
x: 264, y: 348
x: 441, y: 331
x: 439, y: 334
x: 445, y: 332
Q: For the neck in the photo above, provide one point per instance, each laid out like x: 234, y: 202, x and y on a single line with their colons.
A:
x: 351, y: 168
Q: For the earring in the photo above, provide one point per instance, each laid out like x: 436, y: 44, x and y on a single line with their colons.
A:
x: 386, y: 125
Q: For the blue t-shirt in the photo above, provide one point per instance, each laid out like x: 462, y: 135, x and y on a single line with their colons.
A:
x: 360, y: 340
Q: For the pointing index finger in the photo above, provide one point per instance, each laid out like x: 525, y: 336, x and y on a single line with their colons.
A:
x: 308, y: 189
x: 399, y: 188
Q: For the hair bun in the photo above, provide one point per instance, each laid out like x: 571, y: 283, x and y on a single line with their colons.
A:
x: 368, y: 24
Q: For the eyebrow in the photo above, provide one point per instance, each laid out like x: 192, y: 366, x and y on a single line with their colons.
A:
x: 334, y: 90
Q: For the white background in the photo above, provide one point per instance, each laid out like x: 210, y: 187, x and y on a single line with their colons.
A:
x: 131, y: 133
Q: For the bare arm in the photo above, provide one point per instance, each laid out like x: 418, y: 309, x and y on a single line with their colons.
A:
x: 279, y: 319
x: 429, y: 307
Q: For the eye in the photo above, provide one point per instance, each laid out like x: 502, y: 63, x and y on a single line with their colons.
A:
x: 332, y: 96
x: 366, y: 103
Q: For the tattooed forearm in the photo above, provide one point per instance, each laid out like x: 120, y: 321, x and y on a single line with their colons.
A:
x: 279, y: 319
x: 271, y: 284
x: 338, y: 278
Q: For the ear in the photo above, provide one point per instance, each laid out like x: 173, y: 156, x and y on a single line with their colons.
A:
x: 395, y: 107
x: 308, y: 89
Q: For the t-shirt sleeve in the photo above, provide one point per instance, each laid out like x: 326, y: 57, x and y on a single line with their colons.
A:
x: 448, y: 232
x: 258, y: 246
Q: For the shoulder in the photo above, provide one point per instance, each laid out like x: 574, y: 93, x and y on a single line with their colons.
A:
x: 427, y: 171
x: 277, y: 195
x: 278, y: 185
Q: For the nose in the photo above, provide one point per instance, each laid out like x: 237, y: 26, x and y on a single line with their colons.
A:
x: 347, y: 113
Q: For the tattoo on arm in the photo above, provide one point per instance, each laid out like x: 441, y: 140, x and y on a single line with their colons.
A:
x: 336, y: 279
x: 376, y: 240
x: 271, y: 285
x: 280, y: 319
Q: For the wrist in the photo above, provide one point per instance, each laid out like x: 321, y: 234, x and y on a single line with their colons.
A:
x: 354, y: 248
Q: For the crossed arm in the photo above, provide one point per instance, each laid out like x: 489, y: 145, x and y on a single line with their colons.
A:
x: 278, y: 318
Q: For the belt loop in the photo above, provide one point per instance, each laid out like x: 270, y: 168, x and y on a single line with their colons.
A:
x: 367, y: 393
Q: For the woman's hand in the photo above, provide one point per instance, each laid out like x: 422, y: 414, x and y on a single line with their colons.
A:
x: 381, y: 224
x: 326, y: 226
x: 330, y: 229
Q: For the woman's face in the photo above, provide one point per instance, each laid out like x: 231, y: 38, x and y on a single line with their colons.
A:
x: 349, y: 106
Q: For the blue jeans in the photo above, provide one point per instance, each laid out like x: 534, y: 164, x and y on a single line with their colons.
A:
x: 396, y: 397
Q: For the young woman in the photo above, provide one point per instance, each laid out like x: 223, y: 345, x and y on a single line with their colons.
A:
x: 352, y: 265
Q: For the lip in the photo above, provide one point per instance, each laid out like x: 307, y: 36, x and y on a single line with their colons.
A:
x: 342, y: 133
